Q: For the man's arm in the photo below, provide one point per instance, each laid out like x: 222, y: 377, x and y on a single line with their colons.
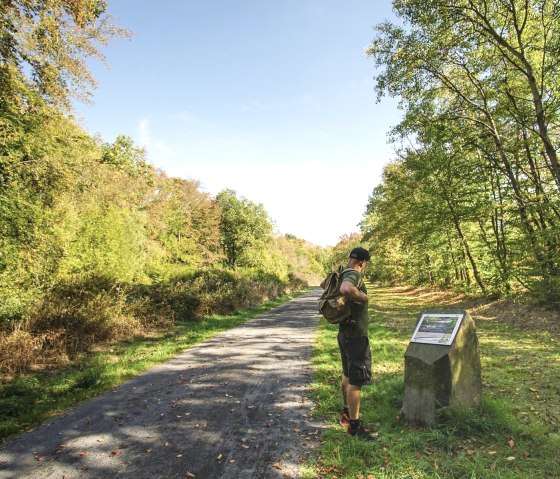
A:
x: 351, y: 293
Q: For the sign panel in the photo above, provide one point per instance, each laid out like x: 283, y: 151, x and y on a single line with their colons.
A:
x: 437, y: 328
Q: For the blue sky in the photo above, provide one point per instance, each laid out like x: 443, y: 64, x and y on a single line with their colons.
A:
x: 275, y: 100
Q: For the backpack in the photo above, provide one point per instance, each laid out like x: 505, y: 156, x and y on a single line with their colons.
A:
x: 332, y: 305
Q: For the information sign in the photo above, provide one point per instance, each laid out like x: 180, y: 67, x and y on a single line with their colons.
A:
x: 437, y: 328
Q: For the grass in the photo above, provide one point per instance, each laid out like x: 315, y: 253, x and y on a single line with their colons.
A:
x: 513, y: 434
x: 31, y: 399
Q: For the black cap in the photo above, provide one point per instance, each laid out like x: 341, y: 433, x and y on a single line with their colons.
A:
x: 360, y: 254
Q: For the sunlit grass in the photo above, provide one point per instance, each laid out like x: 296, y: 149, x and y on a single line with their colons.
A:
x: 513, y: 434
x: 31, y: 399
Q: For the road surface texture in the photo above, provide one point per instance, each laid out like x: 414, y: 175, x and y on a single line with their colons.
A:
x: 235, y: 406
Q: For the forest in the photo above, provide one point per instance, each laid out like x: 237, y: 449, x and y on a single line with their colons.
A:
x: 471, y: 201
x: 96, y: 243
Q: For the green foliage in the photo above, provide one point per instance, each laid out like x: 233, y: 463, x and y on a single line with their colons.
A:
x: 245, y: 229
x: 124, y: 156
x: 96, y: 246
x: 297, y: 259
x: 49, y: 41
x: 472, y: 201
x: 107, y: 242
x: 95, y: 243
x: 185, y: 222
x: 339, y: 253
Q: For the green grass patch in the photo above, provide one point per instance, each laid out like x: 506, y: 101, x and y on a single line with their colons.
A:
x: 513, y: 434
x: 31, y: 399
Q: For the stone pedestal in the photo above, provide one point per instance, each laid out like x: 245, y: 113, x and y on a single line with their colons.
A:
x: 437, y: 376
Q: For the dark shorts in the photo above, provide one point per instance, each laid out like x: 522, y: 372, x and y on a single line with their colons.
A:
x: 356, y: 359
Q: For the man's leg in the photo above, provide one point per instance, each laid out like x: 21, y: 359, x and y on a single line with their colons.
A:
x: 353, y: 398
x: 359, y: 373
x: 345, y: 418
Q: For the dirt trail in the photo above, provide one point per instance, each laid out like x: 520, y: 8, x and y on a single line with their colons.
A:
x: 233, y: 407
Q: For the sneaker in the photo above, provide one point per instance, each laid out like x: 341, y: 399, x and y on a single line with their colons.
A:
x: 359, y: 431
x: 345, y: 418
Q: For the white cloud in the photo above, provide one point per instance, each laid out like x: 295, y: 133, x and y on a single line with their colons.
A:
x: 144, y: 132
x: 159, y: 153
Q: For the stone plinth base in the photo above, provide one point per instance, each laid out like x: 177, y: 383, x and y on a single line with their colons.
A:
x: 437, y: 376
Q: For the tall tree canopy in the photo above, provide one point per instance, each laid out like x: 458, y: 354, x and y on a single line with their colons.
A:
x: 244, y: 228
x: 474, y: 197
x: 46, y: 44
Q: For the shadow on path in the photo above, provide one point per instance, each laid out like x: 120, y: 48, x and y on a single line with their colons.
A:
x: 232, y: 407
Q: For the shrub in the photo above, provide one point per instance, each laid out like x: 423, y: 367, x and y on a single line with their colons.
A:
x: 75, y: 316
x: 91, y: 311
x: 18, y: 350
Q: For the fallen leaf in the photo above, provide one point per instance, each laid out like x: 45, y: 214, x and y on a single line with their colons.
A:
x: 114, y: 453
x: 511, y: 443
x: 84, y: 453
x: 492, y: 453
x: 510, y: 458
x: 277, y: 466
x: 60, y: 448
x: 244, y: 446
x: 219, y: 458
x: 39, y: 458
x: 189, y: 474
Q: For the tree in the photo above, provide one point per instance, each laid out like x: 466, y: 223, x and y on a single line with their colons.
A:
x: 485, y: 72
x: 184, y: 221
x: 47, y: 43
x: 125, y: 156
x: 244, y: 228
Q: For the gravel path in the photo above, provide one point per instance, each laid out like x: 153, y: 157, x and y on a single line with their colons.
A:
x: 233, y: 407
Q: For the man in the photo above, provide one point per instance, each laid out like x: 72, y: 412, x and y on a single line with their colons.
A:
x: 354, y: 344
